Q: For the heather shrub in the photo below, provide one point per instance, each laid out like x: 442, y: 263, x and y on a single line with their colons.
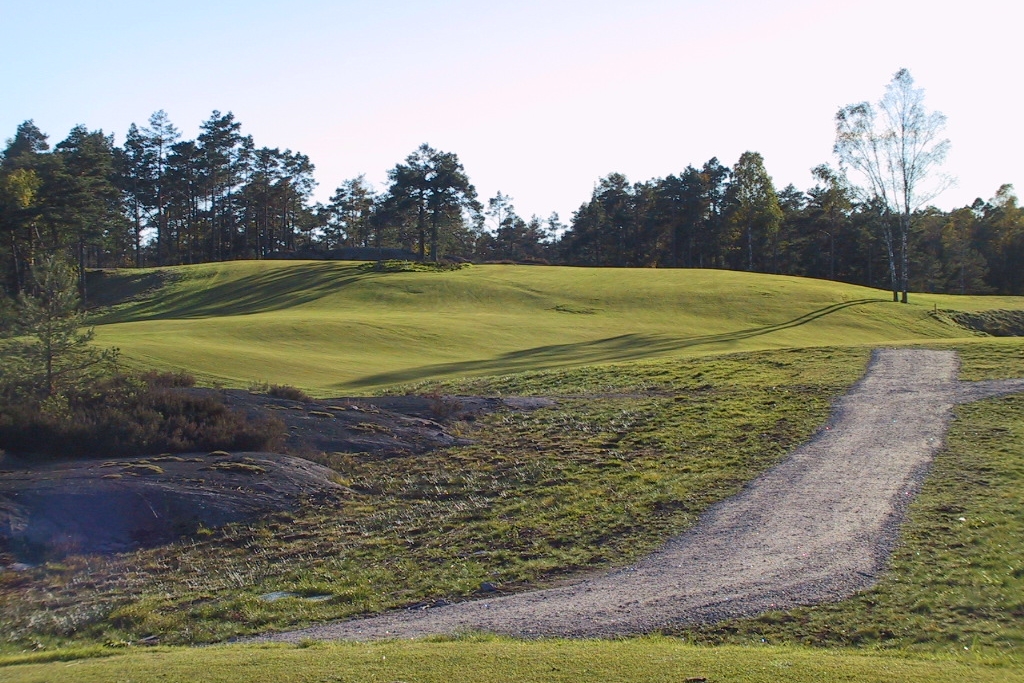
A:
x: 288, y: 392
x: 132, y: 415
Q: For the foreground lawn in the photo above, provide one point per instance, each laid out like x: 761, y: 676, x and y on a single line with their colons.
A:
x: 337, y: 327
x: 646, y: 660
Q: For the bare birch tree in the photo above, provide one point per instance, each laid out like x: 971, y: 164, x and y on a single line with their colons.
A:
x: 894, y: 147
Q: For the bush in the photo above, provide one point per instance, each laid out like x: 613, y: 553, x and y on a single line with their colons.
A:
x: 287, y: 392
x: 133, y: 415
x: 397, y: 266
x: 179, y: 378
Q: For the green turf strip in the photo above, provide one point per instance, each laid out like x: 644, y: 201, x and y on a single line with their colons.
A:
x: 644, y: 660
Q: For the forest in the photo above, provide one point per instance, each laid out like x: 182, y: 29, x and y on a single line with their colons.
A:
x: 158, y: 199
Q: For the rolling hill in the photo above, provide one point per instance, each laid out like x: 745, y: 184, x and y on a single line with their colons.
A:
x: 338, y: 327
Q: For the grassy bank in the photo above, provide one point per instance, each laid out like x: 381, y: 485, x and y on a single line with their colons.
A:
x: 653, y: 422
x: 590, y: 483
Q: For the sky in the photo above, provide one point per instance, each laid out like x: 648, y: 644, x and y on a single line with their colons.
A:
x: 539, y: 99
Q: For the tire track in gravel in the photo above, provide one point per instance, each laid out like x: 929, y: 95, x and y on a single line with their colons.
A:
x: 816, y: 528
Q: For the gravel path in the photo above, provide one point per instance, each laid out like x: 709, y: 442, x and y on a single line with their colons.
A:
x: 815, y: 528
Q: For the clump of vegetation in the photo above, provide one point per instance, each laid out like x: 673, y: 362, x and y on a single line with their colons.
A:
x: 398, y: 266
x: 236, y: 467
x: 144, y: 469
x: 443, y: 407
x: 288, y: 392
x: 127, y: 415
x: 998, y: 323
x: 370, y: 428
x: 168, y: 380
x: 284, y: 391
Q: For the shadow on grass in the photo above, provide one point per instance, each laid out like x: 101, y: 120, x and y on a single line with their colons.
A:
x: 272, y: 290
x: 621, y: 348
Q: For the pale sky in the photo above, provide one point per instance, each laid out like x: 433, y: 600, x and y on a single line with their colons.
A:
x: 538, y: 99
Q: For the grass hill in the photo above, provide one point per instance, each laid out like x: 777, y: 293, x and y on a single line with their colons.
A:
x: 334, y: 327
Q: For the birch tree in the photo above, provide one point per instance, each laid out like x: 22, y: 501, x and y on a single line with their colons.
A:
x: 895, y: 148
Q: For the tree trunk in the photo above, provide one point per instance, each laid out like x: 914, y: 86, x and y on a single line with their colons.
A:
x: 421, y: 228
x: 750, y: 249
x: 81, y: 272
x: 904, y: 257
x: 893, y: 281
x: 433, y: 238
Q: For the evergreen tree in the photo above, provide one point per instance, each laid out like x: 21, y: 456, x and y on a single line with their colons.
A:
x: 350, y: 214
x: 88, y: 207
x: 433, y: 191
x: 219, y: 143
x: 25, y: 167
x: 757, y: 212
x: 51, y: 353
x: 159, y: 140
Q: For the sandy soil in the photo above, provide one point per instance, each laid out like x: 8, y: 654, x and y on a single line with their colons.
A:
x: 816, y: 528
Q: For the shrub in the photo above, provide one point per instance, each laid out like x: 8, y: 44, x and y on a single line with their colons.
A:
x: 287, y: 392
x: 133, y: 415
x: 443, y: 407
x: 179, y: 378
x: 398, y: 266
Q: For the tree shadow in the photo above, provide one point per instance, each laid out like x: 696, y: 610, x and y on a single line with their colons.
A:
x: 272, y: 290
x: 620, y: 348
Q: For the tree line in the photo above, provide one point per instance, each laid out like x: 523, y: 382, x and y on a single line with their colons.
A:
x: 158, y: 199
x: 717, y: 217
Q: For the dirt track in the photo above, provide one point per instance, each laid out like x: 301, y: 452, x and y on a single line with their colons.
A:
x: 816, y: 528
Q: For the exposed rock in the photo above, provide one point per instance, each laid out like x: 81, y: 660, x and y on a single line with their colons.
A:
x: 383, y: 425
x: 104, y: 506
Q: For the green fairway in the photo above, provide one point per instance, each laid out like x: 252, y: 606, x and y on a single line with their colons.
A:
x: 336, y: 327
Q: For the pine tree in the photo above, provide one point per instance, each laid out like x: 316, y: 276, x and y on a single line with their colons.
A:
x: 52, y: 353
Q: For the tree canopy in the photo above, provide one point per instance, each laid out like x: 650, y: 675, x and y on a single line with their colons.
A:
x: 894, y: 147
x: 160, y: 199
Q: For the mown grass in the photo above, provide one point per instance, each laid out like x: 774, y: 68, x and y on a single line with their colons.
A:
x: 597, y: 480
x: 334, y: 327
x: 490, y: 660
x: 956, y: 580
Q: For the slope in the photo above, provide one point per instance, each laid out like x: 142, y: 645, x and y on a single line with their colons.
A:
x: 335, y: 327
